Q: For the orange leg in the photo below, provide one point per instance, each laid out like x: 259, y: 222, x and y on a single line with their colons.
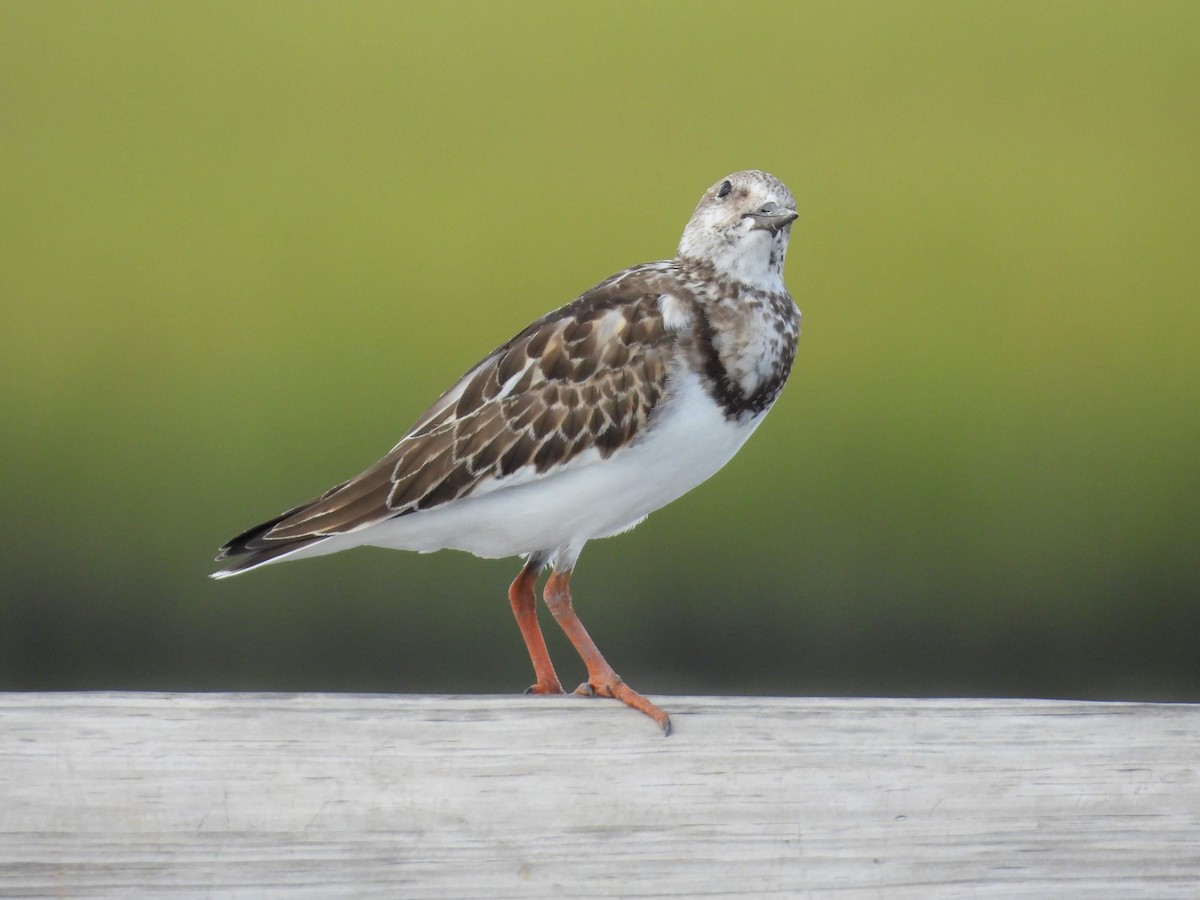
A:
x: 602, y: 680
x: 522, y: 596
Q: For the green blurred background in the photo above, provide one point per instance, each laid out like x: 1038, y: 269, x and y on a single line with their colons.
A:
x: 244, y: 245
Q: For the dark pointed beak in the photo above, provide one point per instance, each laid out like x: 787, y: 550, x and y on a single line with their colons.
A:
x: 773, y: 217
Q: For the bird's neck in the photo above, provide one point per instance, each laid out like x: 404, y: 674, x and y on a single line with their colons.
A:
x: 757, y: 267
x: 747, y: 279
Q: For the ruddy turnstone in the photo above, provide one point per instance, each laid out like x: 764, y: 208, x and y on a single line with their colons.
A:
x: 583, y: 424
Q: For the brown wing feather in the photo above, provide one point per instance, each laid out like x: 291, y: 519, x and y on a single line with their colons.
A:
x: 588, y: 375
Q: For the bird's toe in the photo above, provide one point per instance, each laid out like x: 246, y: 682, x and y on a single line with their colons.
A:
x: 540, y: 688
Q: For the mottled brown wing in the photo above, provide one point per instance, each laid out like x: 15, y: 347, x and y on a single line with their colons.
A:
x: 586, y: 376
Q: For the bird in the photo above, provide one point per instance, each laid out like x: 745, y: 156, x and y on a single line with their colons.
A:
x: 591, y: 418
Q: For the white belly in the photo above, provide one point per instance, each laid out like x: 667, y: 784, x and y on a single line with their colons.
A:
x: 588, y: 498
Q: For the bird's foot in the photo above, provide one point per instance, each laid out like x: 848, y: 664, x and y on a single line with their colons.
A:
x: 541, y: 687
x: 619, y: 690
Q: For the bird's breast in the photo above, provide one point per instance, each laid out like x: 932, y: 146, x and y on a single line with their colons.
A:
x: 743, y: 347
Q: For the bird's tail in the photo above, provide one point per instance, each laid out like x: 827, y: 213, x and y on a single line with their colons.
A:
x: 252, y: 548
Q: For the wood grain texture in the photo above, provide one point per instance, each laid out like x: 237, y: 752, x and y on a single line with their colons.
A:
x: 317, y: 795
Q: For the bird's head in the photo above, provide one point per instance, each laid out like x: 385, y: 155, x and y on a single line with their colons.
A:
x: 741, y: 228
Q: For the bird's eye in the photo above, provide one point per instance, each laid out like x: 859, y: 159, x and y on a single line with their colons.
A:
x: 724, y: 189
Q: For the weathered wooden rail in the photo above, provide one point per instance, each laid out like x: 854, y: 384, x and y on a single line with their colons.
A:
x: 317, y: 795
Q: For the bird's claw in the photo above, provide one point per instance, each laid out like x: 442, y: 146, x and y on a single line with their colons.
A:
x: 539, y: 688
x: 619, y: 690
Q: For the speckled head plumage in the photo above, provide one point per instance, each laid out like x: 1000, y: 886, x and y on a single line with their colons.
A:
x: 741, y: 227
